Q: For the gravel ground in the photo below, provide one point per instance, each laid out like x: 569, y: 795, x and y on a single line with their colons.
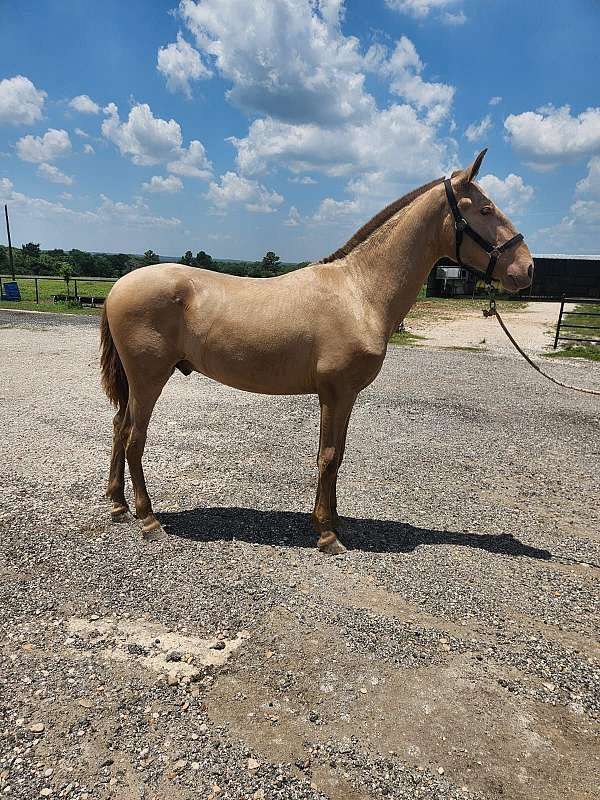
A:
x: 533, y: 327
x: 451, y: 653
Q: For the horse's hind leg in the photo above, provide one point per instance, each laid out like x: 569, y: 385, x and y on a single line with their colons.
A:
x: 116, y: 477
x: 142, y: 399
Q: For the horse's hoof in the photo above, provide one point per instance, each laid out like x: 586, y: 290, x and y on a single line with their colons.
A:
x: 153, y: 531
x: 331, y: 545
x: 120, y: 514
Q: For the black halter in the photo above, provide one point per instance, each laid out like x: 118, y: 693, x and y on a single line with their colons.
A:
x: 461, y: 226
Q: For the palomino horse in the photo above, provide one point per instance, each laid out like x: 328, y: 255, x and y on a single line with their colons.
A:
x: 321, y: 330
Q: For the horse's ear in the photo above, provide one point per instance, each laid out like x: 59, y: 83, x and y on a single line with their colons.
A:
x: 472, y: 171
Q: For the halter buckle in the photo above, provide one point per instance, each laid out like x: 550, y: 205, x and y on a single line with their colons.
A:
x: 461, y: 224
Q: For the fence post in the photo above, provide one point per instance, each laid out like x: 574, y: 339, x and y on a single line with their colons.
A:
x: 562, y: 305
x: 37, y: 294
x: 75, y: 287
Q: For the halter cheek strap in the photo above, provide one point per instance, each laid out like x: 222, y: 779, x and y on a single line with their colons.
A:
x: 462, y: 227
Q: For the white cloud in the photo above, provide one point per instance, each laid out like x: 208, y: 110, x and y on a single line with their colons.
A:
x: 20, y: 102
x: 149, y: 140
x: 305, y: 180
x: 180, y: 63
x: 84, y: 104
x: 118, y: 214
x: 453, y: 18
x: 494, y: 101
x: 477, y: 130
x: 145, y: 138
x: 335, y: 211
x: 591, y: 183
x: 285, y: 59
x: 579, y: 229
x: 419, y: 8
x: 81, y: 133
x: 52, y: 145
x: 404, y: 68
x: 577, y: 232
x: 510, y: 194
x: 192, y: 162
x: 6, y: 188
x: 37, y: 207
x: 170, y: 184
x: 88, y: 150
x: 136, y: 214
x: 291, y: 64
x: 395, y: 140
x: 235, y: 189
x: 293, y: 218
x: 53, y: 174
x: 551, y: 136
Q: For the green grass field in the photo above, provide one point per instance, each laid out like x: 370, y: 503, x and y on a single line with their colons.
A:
x: 405, y: 338
x: 47, y: 287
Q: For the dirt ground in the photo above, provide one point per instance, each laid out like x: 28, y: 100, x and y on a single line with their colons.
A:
x: 532, y: 326
x: 451, y: 653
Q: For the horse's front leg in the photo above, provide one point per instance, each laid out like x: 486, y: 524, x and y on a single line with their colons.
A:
x: 337, y: 521
x: 335, y: 412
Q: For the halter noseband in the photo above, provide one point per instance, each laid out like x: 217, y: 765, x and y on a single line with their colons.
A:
x: 461, y: 226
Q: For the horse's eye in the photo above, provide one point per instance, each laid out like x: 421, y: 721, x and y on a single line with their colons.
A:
x: 486, y: 210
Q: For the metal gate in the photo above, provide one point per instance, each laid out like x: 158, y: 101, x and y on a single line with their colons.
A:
x: 562, y: 324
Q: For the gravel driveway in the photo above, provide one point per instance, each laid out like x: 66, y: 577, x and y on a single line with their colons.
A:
x: 533, y: 327
x: 451, y: 653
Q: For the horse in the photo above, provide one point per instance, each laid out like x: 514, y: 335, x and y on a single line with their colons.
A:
x: 321, y: 330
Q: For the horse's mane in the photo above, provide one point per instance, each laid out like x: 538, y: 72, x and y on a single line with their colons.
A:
x: 378, y: 220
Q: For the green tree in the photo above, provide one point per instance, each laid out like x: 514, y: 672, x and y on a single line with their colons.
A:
x: 30, y: 256
x: 103, y: 267
x: 119, y: 263
x: 31, y: 250
x: 204, y: 261
x: 3, y: 258
x: 188, y: 259
x: 150, y: 257
x: 83, y: 262
x: 65, y: 270
x: 270, y: 263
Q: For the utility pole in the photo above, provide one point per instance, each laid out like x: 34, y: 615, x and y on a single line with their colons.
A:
x: 10, y: 253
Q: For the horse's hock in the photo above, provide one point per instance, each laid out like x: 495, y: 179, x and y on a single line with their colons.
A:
x: 451, y: 653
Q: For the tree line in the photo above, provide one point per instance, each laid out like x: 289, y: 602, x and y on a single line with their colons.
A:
x: 30, y: 259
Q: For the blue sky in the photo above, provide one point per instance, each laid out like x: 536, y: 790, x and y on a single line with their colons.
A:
x: 238, y: 127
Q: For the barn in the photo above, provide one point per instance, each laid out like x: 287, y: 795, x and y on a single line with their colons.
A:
x: 555, y: 276
x: 558, y: 275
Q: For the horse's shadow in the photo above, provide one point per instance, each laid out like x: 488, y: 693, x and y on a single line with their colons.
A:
x: 293, y: 529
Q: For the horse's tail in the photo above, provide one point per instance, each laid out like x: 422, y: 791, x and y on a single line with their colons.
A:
x: 114, y: 379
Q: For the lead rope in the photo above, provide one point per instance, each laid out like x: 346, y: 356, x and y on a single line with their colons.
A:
x: 492, y: 311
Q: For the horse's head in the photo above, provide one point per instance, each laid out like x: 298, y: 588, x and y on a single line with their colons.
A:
x: 512, y: 266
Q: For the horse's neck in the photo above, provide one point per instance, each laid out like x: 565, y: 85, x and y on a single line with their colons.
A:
x: 392, y: 265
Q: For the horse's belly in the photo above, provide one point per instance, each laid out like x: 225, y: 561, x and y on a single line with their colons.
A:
x: 274, y: 369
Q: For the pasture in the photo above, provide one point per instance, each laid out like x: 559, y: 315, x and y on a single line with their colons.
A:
x: 451, y: 653
x: 48, y: 287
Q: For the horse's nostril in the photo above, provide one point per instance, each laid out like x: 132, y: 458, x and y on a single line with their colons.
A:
x: 530, y: 271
